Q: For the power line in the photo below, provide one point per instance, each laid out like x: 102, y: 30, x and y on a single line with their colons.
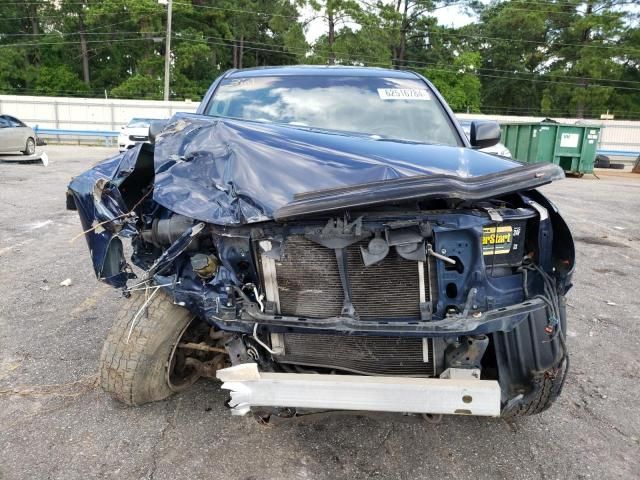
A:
x: 559, y: 12
x: 108, y: 25
x: 558, y: 75
x: 88, y: 14
x: 556, y: 110
x: 9, y: 45
x: 525, y: 2
x: 257, y: 12
x: 377, y: 61
x: 434, y: 33
x: 554, y: 43
x: 416, y: 62
x: 87, y: 32
x: 357, y: 58
x: 237, y: 10
x: 551, y: 42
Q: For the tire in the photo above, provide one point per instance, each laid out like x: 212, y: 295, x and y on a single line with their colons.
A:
x: 602, y: 161
x: 140, y: 371
x: 546, y: 389
x: 617, y: 166
x: 30, y: 147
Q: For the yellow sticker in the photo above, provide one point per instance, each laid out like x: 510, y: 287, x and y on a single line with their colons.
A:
x: 497, y: 240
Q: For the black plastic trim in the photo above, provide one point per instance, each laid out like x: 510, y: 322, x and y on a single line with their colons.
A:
x: 502, y: 319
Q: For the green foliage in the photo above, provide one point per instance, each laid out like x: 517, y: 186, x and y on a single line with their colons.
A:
x: 59, y: 80
x: 553, y: 58
x: 461, y: 86
x: 14, y: 69
x: 140, y: 86
x: 561, y: 59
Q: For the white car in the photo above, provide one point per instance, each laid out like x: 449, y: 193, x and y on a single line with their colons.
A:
x: 497, y: 149
x: 136, y: 131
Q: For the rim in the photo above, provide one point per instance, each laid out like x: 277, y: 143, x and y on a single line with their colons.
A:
x: 196, y: 353
x: 179, y: 374
x: 31, y: 146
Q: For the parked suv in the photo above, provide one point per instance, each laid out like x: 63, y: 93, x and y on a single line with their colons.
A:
x: 327, y: 238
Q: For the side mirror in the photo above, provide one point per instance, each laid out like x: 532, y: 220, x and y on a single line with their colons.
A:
x: 484, y: 133
x: 155, y: 129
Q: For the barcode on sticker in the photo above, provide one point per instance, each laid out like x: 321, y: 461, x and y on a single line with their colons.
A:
x: 404, y: 94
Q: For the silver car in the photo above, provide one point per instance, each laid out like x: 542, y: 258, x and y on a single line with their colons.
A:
x: 15, y: 136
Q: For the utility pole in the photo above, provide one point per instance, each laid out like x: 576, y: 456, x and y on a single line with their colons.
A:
x: 167, y: 53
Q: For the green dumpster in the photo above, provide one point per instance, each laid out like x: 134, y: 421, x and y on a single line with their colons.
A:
x: 572, y: 147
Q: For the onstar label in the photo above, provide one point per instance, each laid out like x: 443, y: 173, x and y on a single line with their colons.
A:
x: 496, y: 241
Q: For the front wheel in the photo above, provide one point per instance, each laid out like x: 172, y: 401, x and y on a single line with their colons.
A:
x: 30, y: 147
x: 139, y: 364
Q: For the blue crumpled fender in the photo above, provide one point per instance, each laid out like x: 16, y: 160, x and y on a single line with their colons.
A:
x: 102, y: 212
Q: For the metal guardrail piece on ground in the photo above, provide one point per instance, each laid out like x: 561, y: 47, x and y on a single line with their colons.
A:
x: 106, y: 134
x: 618, y: 153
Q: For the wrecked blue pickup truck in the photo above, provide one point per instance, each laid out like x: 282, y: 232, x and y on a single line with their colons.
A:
x: 329, y: 239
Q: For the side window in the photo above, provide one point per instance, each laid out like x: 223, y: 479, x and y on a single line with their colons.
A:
x: 4, y: 123
x: 14, y: 122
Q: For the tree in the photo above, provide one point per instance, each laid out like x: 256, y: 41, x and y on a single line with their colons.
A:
x: 337, y: 14
x: 586, y: 58
x: 625, y: 102
x: 139, y: 86
x: 553, y: 58
x: 563, y: 58
x: 19, y: 24
x: 460, y: 86
x: 59, y: 80
x: 513, y: 43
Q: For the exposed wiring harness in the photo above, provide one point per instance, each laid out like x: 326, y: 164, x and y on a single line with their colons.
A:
x: 552, y: 300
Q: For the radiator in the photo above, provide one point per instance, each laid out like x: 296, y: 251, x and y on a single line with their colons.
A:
x: 368, y: 355
x: 307, y: 282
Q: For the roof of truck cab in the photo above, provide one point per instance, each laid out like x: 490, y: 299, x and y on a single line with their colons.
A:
x: 316, y: 70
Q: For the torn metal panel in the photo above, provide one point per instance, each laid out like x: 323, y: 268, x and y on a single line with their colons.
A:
x: 104, y: 197
x: 252, y: 388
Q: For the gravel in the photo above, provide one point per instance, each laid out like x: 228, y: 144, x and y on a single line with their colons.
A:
x: 55, y: 423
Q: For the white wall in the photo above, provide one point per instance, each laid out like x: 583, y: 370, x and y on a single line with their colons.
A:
x: 86, y: 113
x: 103, y: 114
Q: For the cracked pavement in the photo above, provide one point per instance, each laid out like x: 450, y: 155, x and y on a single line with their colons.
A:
x: 51, y: 336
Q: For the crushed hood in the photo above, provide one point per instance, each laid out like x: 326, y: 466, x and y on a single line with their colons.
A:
x: 232, y: 172
x: 228, y: 172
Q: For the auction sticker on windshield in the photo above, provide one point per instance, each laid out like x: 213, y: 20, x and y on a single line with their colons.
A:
x: 404, y: 94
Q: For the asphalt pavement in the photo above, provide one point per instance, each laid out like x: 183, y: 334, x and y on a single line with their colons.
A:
x: 56, y: 424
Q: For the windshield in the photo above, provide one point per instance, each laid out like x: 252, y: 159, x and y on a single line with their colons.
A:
x: 140, y: 122
x: 390, y: 108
